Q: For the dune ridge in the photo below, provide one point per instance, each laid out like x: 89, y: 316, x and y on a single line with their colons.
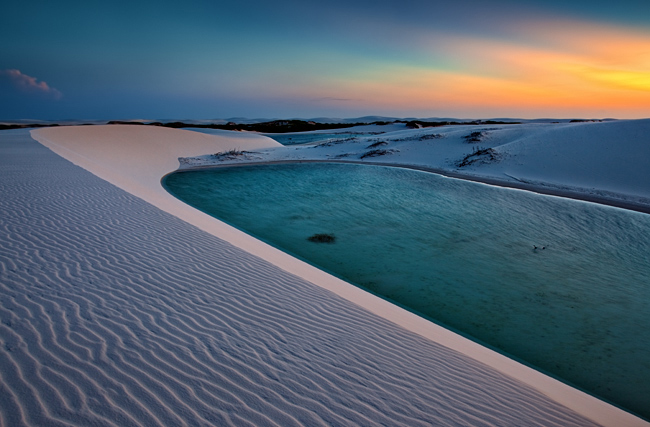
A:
x: 115, y: 312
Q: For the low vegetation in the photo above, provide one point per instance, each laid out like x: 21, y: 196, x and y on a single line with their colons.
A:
x: 482, y: 155
x: 376, y: 153
x: 377, y: 144
x: 417, y: 124
x: 421, y: 137
x: 430, y: 136
x: 330, y: 142
x: 475, y: 136
x: 230, y: 154
x: 275, y: 126
x: 25, y: 126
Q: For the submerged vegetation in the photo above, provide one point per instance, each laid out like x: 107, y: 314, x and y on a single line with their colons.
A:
x: 322, y: 238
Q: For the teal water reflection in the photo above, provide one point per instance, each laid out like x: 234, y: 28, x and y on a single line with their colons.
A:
x: 560, y: 284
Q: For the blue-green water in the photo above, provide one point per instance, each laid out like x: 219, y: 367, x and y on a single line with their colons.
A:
x: 463, y: 254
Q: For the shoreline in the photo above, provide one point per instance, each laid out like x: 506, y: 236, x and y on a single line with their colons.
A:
x: 547, y: 191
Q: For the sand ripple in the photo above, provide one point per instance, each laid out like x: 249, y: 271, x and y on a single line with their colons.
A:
x: 113, y: 312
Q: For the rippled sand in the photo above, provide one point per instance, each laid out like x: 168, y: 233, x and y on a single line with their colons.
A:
x: 114, y: 312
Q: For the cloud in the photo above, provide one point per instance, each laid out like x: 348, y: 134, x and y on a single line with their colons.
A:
x: 30, y: 84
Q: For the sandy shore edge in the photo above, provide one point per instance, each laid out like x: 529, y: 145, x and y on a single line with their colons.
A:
x: 91, y: 156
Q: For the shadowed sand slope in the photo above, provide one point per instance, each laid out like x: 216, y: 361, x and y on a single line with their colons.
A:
x: 114, y: 312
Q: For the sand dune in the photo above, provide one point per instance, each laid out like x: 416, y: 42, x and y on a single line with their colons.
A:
x: 116, y: 312
x: 610, y: 157
x: 599, y: 161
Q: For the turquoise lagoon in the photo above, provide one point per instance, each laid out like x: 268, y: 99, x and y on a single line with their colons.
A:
x: 560, y: 284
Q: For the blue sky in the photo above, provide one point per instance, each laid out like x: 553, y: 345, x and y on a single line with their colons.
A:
x: 413, y: 58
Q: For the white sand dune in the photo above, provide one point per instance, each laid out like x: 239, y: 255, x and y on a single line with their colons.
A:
x: 610, y: 157
x: 130, y: 308
x: 606, y: 162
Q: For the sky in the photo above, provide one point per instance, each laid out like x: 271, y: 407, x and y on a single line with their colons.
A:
x: 199, y: 59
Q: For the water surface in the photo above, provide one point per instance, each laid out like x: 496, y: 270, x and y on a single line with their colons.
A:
x: 561, y: 284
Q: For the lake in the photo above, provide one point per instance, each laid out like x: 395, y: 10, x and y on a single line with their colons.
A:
x: 560, y: 284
